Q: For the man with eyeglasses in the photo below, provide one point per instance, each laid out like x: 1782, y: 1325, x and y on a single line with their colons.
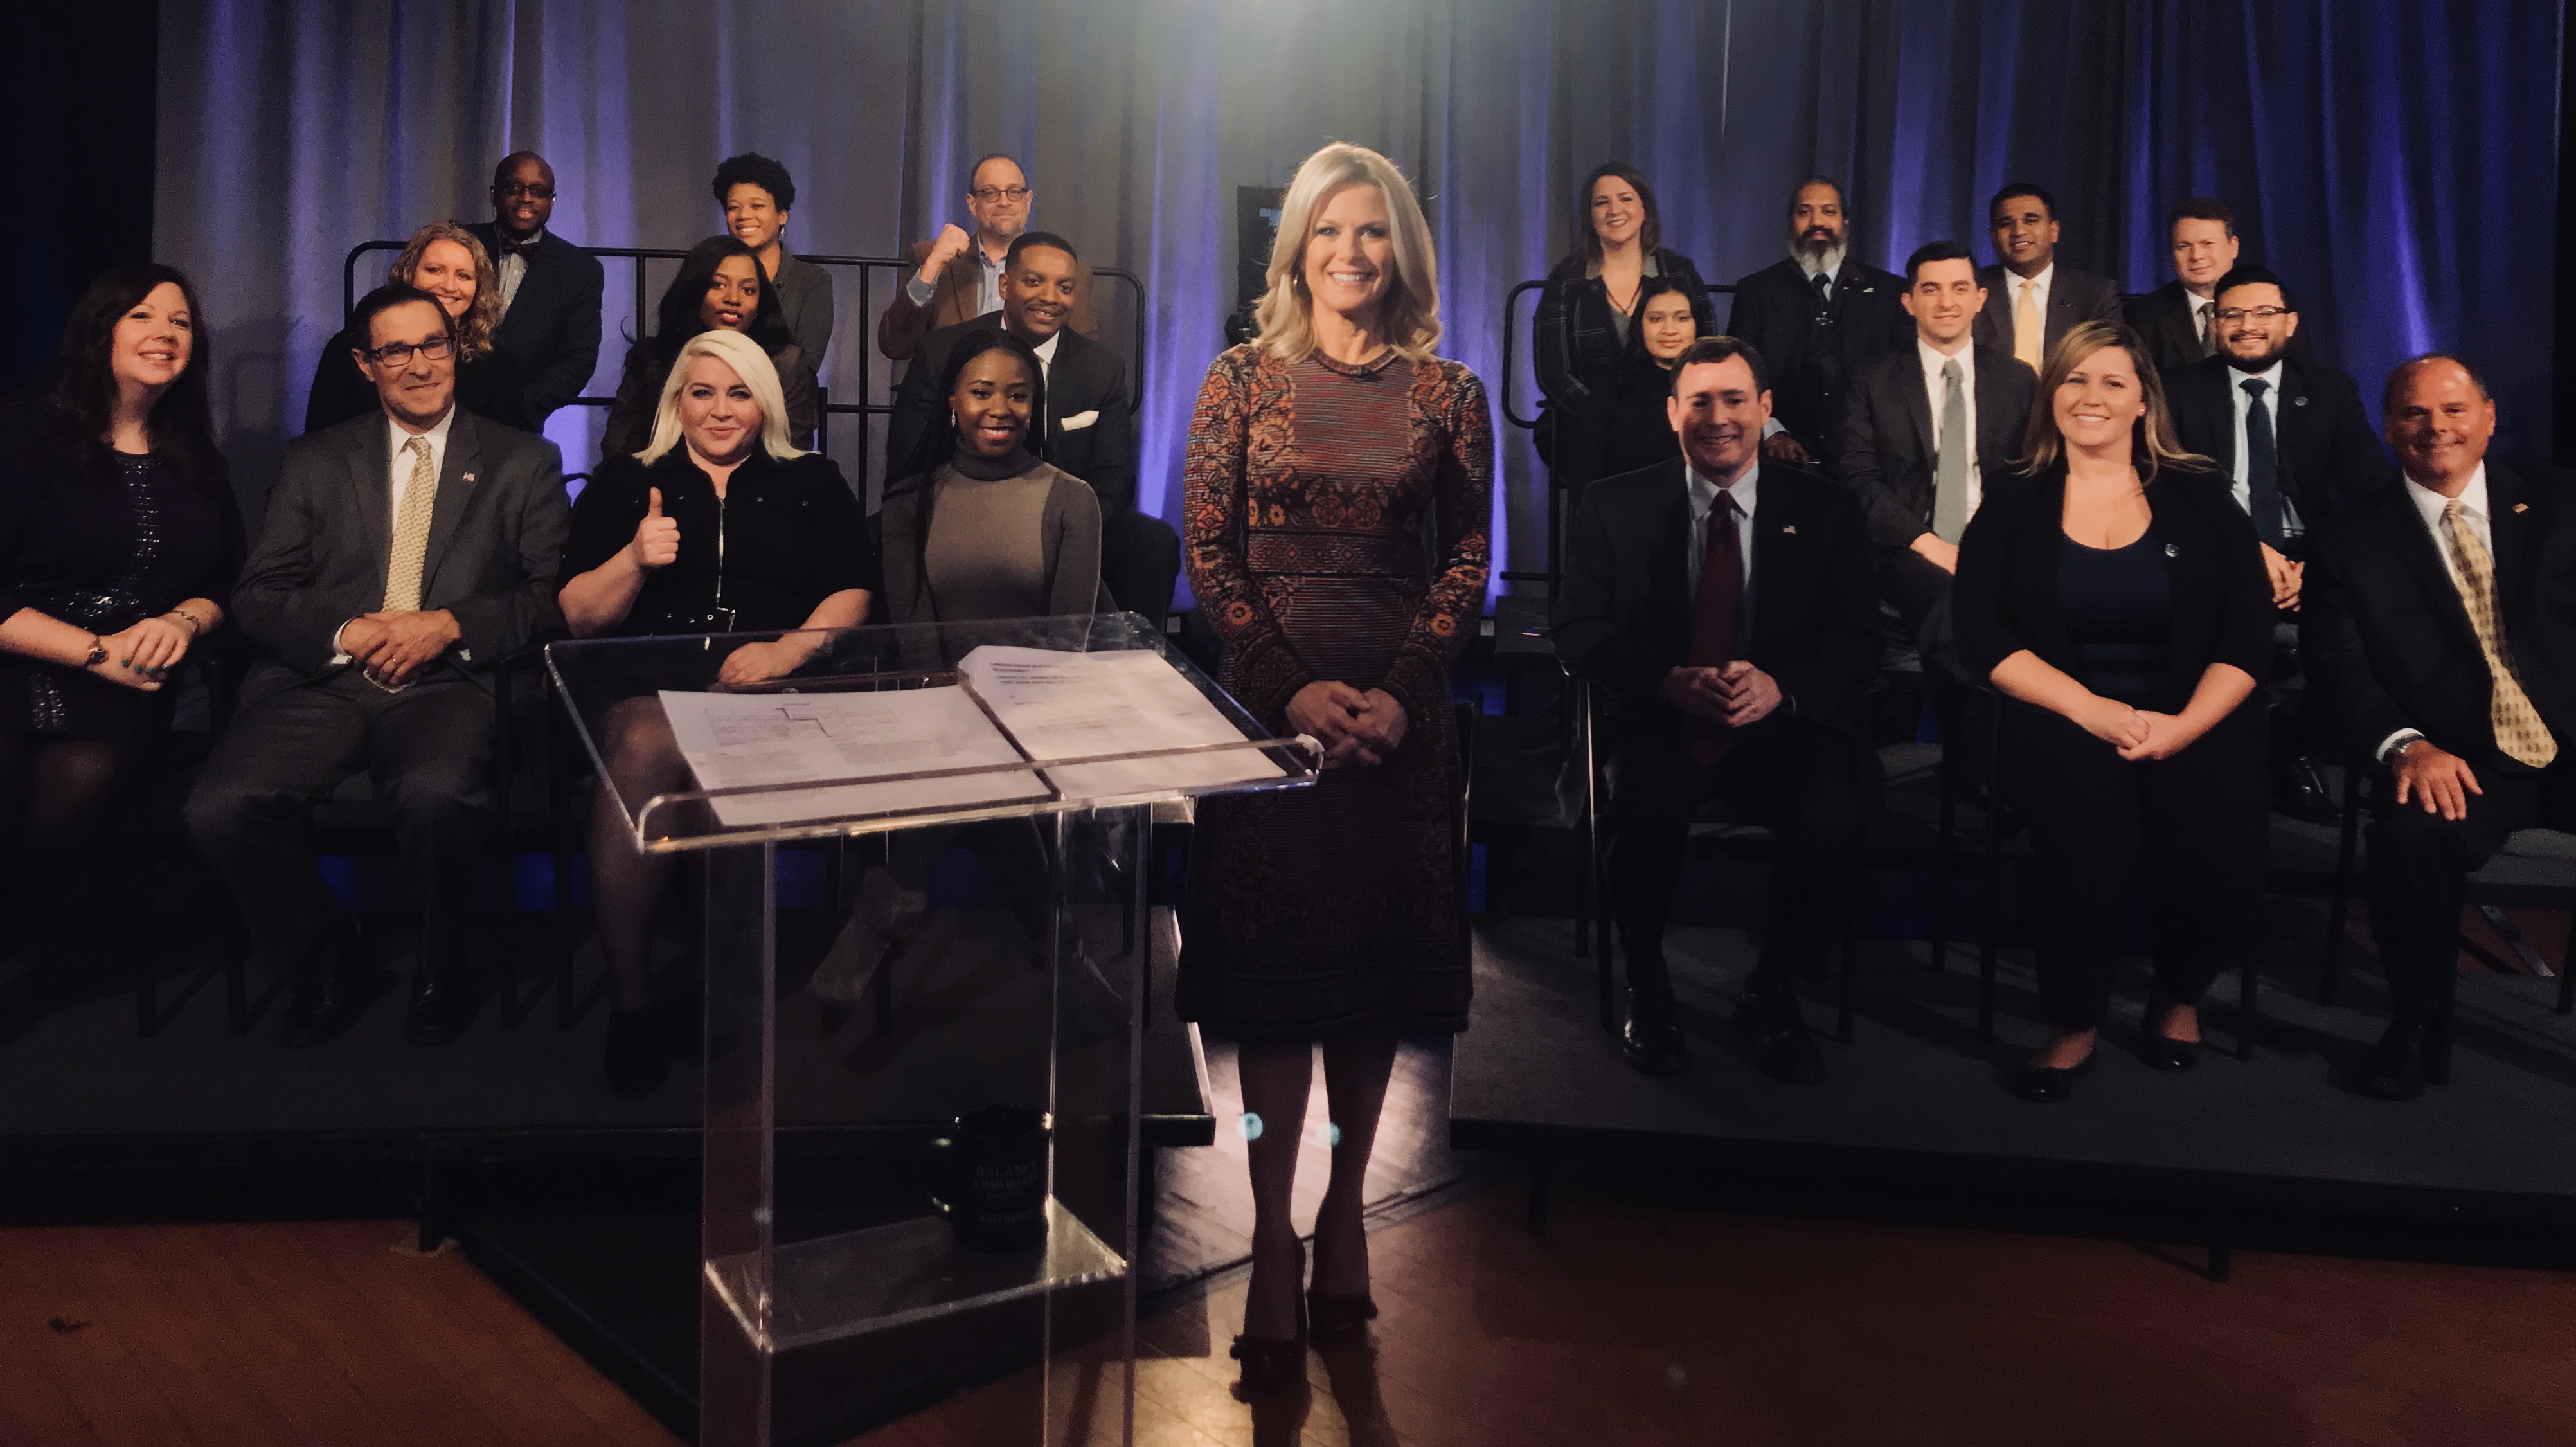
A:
x: 550, y: 288
x: 958, y: 277
x: 2292, y: 437
x: 405, y: 553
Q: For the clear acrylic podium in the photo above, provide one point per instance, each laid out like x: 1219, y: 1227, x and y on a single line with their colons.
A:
x: 833, y: 1291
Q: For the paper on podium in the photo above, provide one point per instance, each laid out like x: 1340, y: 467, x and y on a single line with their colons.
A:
x: 1065, y: 705
x: 733, y: 740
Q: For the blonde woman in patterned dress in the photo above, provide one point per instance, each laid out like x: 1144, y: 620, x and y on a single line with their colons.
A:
x: 1338, y: 488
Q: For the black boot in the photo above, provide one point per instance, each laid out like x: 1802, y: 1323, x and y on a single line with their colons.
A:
x: 2394, y: 1069
x: 2299, y: 789
x: 1775, y: 1028
x: 1652, y: 1041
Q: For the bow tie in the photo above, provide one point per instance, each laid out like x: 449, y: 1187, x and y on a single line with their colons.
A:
x: 518, y: 248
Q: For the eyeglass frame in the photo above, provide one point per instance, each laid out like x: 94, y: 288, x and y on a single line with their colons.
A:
x: 532, y: 190
x: 437, y: 349
x: 2231, y: 315
x: 990, y: 194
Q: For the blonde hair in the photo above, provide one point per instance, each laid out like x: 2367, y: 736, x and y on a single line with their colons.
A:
x: 482, y: 315
x: 751, y: 364
x: 2152, y: 442
x: 1409, y: 317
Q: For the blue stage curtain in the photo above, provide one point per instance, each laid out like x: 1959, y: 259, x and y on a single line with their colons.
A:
x: 2396, y: 161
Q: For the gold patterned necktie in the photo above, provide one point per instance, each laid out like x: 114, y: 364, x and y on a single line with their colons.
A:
x: 411, y: 532
x: 2518, y: 729
x: 2027, y: 333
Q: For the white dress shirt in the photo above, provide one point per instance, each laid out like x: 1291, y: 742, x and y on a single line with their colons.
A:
x: 1933, y: 359
x: 2430, y: 506
x: 1833, y: 276
x: 512, y: 268
x: 1046, y: 353
x: 2270, y: 377
x: 398, y: 464
x: 1703, y: 502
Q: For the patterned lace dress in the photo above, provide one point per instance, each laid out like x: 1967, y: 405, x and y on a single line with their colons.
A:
x: 1336, y: 522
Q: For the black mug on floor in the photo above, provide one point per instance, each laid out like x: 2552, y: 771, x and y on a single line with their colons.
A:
x: 988, y: 1177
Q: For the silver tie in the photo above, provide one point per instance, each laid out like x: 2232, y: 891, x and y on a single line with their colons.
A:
x: 1950, y: 458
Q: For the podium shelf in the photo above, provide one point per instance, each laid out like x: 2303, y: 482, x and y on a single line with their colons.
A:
x: 835, y: 1287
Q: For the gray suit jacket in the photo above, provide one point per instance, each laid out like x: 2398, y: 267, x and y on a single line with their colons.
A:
x: 495, y: 535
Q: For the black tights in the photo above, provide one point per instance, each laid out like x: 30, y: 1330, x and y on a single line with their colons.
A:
x: 58, y: 806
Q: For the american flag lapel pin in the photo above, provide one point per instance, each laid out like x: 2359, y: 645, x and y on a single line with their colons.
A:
x: 1790, y: 528
x: 469, y: 477
x: 2522, y: 507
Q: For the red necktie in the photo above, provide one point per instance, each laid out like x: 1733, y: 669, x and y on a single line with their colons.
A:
x: 1713, y: 615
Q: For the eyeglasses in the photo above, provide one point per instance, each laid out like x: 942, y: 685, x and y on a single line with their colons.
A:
x: 991, y: 194
x: 399, y: 354
x: 533, y: 190
x: 2231, y: 315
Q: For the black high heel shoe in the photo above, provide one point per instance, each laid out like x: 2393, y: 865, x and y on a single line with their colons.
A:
x: 2162, y: 1051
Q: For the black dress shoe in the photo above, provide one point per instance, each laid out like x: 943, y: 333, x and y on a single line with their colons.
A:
x: 2299, y: 790
x: 639, y: 1050
x: 1783, y: 1048
x: 2394, y: 1070
x: 332, y: 990
x: 1652, y: 1041
x: 2047, y: 1084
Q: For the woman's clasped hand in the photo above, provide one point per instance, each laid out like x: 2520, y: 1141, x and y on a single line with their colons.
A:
x: 1355, y: 726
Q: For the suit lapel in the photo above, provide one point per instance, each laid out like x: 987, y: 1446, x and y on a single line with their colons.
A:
x: 456, y: 481
x: 2511, y: 532
x: 1918, y: 407
x: 2423, y: 557
x: 2220, y: 420
x: 371, y: 483
x: 1669, y: 566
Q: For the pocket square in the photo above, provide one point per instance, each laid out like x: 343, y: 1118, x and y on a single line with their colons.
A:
x: 1080, y: 420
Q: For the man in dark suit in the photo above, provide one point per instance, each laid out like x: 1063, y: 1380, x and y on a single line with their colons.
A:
x: 2440, y: 631
x: 1925, y: 435
x: 1816, y: 316
x: 958, y: 275
x: 1722, y: 607
x: 550, y: 288
x: 2298, y: 446
x: 403, y: 555
x: 2031, y: 301
x: 1090, y: 432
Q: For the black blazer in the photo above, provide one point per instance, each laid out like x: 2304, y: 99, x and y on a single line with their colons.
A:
x: 2005, y: 597
x: 551, y: 332
x: 1887, y: 452
x: 2330, y: 458
x: 1622, y: 618
x: 495, y: 538
x: 2164, y: 317
x: 2388, y: 644
x: 1812, y: 356
x: 1086, y: 379
x: 2074, y: 297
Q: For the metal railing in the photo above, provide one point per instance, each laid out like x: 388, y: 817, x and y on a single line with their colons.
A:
x: 867, y: 268
x: 1555, y: 524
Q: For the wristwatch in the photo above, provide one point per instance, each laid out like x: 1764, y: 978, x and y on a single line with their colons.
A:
x: 97, y: 652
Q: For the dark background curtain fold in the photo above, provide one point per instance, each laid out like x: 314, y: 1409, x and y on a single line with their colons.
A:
x: 2397, y: 162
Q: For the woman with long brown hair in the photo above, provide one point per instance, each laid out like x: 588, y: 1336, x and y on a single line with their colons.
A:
x: 2115, y: 595
x: 446, y: 261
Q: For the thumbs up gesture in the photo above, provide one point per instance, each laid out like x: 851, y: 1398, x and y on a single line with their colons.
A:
x: 657, y: 538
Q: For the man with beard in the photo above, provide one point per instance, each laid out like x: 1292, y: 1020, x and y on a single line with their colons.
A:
x: 1089, y: 430
x: 1816, y: 316
x: 2174, y: 318
x: 958, y: 276
x: 2294, y: 439
x: 1721, y: 607
x: 2031, y: 301
x: 550, y: 289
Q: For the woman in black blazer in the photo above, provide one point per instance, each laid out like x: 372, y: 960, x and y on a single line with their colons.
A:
x: 2116, y: 595
x: 1587, y: 336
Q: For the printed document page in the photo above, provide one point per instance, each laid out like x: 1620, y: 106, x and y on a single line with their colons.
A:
x: 737, y: 739
x: 1063, y: 705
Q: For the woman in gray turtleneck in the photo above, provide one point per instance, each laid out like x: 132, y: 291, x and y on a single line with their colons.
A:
x: 992, y: 532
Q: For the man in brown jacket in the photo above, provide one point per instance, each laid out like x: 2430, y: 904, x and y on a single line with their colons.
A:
x: 959, y: 274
